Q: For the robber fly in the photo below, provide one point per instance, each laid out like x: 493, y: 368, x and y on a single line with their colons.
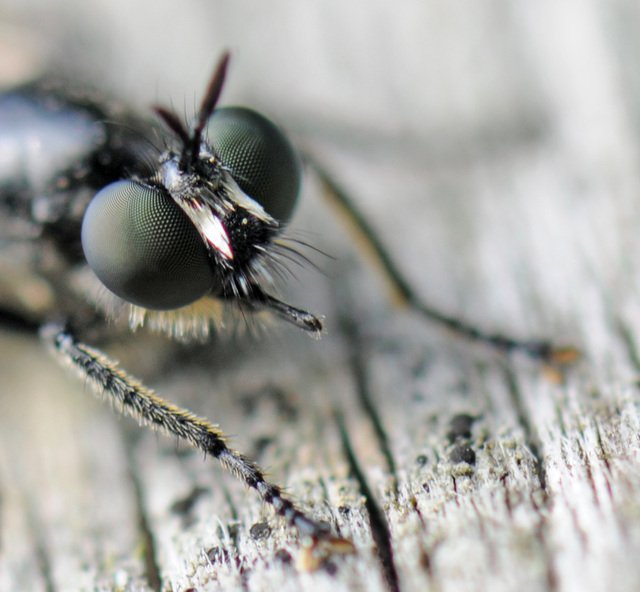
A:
x: 180, y: 242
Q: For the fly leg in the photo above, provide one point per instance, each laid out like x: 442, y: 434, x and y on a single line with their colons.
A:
x: 403, y: 293
x: 104, y: 376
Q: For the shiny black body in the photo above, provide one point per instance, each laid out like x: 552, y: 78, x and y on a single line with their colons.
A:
x: 74, y: 147
x: 57, y: 149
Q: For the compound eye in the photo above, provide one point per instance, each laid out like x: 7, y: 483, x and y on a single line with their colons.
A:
x: 143, y: 247
x: 262, y: 160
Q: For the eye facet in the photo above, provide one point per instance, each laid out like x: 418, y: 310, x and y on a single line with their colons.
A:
x: 261, y: 158
x: 143, y: 248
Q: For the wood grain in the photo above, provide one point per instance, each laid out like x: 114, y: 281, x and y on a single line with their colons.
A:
x: 497, y: 157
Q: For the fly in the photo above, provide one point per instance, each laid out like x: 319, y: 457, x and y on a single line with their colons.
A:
x: 183, y: 243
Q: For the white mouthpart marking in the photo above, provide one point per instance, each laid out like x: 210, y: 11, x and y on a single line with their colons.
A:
x: 216, y: 233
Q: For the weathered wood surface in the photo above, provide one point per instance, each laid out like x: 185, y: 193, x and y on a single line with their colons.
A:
x: 495, y: 147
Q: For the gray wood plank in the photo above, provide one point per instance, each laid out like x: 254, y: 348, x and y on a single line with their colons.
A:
x: 495, y: 148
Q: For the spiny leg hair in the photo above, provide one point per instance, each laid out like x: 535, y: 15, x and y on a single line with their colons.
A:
x: 106, y: 378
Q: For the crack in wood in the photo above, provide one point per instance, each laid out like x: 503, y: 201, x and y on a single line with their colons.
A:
x: 355, y: 344
x: 531, y: 440
x: 379, y: 526
x: 630, y: 345
x: 551, y: 573
x: 152, y: 567
x: 367, y: 405
x: 40, y: 548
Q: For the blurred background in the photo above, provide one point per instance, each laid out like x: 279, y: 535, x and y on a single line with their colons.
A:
x: 494, y: 145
